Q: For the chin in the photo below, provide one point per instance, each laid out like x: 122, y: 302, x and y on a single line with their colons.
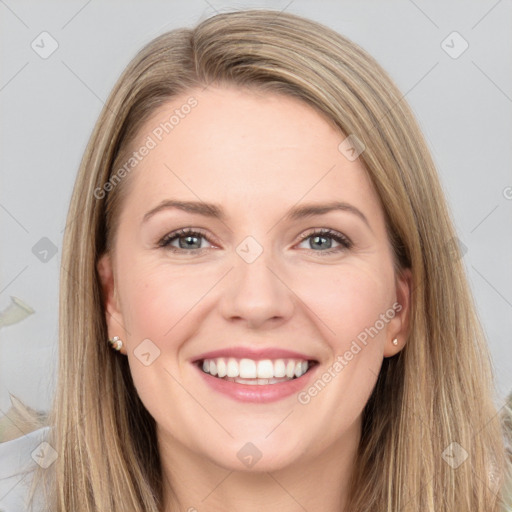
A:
x: 256, y: 454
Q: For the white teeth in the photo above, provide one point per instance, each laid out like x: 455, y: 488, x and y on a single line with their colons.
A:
x: 265, y: 369
x: 232, y: 369
x: 221, y: 368
x: 290, y: 369
x: 279, y: 368
x: 249, y: 371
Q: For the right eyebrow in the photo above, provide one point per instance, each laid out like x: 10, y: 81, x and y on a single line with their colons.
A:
x: 200, y: 208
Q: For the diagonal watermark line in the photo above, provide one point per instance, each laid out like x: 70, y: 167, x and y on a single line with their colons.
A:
x: 502, y: 419
x: 76, y: 14
x: 85, y: 85
x: 83, y: 416
x: 279, y: 424
x: 286, y: 491
x: 70, y: 276
x: 13, y: 13
x: 301, y: 300
x: 68, y: 223
x: 495, y: 415
x: 199, y: 403
x: 14, y: 76
x: 421, y: 489
x: 424, y: 14
x: 485, y: 15
x: 13, y: 279
x: 216, y: 487
x: 305, y: 194
x: 280, y: 12
x: 229, y: 10
x: 496, y: 491
x: 422, y: 420
x: 14, y: 218
x: 285, y: 7
x: 493, y: 287
x: 405, y: 94
x: 371, y: 371
x: 484, y: 218
x: 198, y: 301
x: 226, y: 19
x: 206, y: 2
x: 492, y: 81
x: 22, y: 473
x: 6, y: 417
x: 12, y: 488
x: 417, y: 83
x: 165, y: 165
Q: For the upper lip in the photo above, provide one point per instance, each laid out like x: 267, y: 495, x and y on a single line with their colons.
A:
x: 253, y: 353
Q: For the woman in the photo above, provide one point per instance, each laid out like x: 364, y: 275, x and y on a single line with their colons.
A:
x: 262, y: 302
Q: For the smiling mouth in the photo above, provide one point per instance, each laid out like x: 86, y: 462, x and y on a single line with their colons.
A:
x: 256, y: 372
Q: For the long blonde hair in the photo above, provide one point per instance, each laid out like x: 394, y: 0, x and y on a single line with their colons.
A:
x: 437, y: 391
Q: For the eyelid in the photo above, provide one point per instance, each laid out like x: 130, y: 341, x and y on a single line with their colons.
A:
x: 165, y: 241
x: 326, y: 231
x: 344, y: 240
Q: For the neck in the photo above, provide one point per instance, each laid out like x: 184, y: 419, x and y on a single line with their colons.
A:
x: 320, y: 482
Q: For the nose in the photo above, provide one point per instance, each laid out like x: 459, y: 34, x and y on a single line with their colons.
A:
x: 256, y: 294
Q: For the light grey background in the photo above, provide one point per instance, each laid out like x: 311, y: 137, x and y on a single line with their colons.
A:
x: 49, y: 106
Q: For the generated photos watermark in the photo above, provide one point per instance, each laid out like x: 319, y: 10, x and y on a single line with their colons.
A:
x: 151, y: 142
x: 342, y: 360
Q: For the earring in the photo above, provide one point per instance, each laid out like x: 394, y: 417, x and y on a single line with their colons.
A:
x: 395, y: 342
x: 116, y: 343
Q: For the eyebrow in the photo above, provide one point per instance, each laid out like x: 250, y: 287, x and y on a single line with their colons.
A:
x: 296, y: 213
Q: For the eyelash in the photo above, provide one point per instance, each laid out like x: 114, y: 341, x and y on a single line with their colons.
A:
x: 345, y: 243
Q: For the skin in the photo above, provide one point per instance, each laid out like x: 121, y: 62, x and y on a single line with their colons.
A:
x: 256, y: 155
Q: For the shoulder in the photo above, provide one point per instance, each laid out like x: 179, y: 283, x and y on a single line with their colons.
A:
x: 18, y: 460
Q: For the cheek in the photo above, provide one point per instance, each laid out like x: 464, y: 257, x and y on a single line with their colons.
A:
x: 156, y: 298
x: 158, y: 303
x: 347, y: 301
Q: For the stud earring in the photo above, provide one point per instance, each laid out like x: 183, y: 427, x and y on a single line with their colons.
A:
x: 395, y: 342
x: 116, y: 343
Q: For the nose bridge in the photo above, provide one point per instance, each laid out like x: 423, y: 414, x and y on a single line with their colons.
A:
x: 254, y: 293
x: 256, y: 276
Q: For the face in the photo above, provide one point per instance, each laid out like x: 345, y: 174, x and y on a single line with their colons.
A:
x: 249, y: 244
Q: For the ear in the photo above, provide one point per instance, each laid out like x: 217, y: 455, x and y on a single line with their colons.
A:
x: 113, y: 315
x: 398, y: 327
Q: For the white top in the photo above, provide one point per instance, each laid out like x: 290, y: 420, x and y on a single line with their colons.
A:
x: 18, y: 459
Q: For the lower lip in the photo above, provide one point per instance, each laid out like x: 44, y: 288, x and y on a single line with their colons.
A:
x: 257, y: 393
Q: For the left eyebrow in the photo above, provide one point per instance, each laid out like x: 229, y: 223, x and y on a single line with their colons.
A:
x: 309, y: 210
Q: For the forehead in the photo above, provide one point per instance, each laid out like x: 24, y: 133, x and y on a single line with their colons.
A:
x: 253, y: 148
